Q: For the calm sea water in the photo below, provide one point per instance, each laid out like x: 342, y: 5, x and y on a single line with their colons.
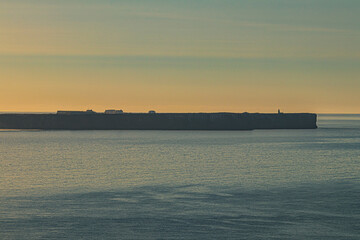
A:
x: 264, y: 184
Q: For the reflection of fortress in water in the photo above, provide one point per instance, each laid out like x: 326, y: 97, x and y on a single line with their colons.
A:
x: 119, y: 120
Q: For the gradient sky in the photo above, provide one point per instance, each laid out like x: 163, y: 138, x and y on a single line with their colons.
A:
x: 180, y: 55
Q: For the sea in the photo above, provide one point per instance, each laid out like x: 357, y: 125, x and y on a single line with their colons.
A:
x: 261, y: 184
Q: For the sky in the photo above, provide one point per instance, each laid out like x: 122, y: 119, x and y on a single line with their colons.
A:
x: 180, y: 55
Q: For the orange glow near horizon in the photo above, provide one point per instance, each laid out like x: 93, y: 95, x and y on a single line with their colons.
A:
x: 44, y: 87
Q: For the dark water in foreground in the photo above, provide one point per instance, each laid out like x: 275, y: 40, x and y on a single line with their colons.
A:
x: 269, y: 184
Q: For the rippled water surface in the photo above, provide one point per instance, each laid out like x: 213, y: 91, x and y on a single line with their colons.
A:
x: 263, y: 184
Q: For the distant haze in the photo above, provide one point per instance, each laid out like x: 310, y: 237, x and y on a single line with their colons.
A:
x: 180, y: 56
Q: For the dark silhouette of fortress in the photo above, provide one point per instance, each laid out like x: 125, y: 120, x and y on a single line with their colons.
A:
x: 118, y: 120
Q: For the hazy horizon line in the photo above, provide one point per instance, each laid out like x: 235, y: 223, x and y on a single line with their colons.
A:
x: 54, y: 112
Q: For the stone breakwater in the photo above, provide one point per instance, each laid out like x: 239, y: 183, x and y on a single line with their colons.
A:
x: 159, y: 121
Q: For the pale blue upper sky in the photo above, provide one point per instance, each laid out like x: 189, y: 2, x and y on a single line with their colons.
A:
x: 301, y: 49
x: 230, y: 28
